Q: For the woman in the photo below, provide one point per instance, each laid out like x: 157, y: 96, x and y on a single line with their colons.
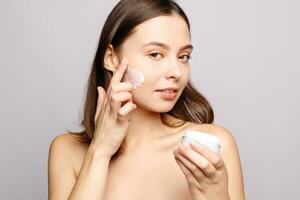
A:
x: 130, y: 147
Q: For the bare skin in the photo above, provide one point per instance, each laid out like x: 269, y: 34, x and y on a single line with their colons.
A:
x: 150, y: 172
x: 147, y: 169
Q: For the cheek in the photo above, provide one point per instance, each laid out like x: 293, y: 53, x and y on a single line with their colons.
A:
x: 143, y: 96
x: 185, y: 76
x: 186, y: 71
x: 146, y: 91
x: 151, y: 77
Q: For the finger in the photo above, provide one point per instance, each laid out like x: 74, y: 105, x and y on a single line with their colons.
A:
x: 116, y: 101
x: 198, y: 160
x: 100, y: 100
x: 187, y: 173
x: 118, y: 75
x: 115, y: 105
x: 210, y: 155
x: 196, y: 171
x: 125, y: 110
x: 123, y: 87
x: 121, y: 96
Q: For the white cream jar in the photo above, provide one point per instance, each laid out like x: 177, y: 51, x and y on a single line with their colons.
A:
x: 212, y: 142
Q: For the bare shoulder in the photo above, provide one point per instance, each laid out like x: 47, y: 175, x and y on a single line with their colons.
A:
x: 65, y: 154
x: 226, y: 137
x: 230, y: 154
x: 68, y: 144
x: 69, y: 149
x: 229, y: 148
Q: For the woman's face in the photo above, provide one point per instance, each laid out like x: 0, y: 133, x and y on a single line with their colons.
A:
x: 163, y: 66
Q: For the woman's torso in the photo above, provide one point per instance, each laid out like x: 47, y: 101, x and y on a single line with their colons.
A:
x: 148, y: 173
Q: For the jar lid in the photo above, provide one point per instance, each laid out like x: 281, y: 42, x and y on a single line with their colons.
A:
x: 202, y: 136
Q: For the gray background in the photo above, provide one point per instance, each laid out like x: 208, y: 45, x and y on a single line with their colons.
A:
x: 245, y: 61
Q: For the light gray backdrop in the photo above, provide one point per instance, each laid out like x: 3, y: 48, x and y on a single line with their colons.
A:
x: 246, y: 62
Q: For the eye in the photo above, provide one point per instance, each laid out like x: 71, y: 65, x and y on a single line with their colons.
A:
x: 187, y: 56
x: 154, y: 54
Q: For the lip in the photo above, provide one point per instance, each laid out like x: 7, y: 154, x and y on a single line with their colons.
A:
x: 169, y: 88
x: 167, y: 95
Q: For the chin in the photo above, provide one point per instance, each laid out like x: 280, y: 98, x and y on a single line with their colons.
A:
x: 157, y: 106
x: 154, y: 103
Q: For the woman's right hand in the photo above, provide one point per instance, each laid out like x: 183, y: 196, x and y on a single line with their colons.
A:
x: 112, y: 114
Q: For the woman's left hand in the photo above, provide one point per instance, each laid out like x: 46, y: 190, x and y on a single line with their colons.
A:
x: 205, y: 172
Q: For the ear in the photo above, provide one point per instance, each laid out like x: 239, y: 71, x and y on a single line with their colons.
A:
x: 111, y: 61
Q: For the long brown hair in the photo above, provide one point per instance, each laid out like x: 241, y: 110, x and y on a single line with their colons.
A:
x: 126, y: 15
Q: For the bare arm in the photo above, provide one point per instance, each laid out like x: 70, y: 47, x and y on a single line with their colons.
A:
x: 230, y: 154
x: 62, y: 183
x: 232, y: 160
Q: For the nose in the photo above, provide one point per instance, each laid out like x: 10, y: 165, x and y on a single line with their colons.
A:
x: 174, y: 70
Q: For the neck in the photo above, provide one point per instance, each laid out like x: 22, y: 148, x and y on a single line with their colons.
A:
x: 146, y: 127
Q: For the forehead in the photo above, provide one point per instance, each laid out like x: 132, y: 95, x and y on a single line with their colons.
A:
x: 171, y: 30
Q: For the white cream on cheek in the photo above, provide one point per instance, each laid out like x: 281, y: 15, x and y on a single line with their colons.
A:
x: 134, y: 76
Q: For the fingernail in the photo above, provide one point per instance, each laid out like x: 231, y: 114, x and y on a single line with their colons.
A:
x: 192, y: 144
x: 181, y: 147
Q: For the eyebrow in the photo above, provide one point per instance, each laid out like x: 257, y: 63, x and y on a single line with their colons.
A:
x: 189, y: 46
